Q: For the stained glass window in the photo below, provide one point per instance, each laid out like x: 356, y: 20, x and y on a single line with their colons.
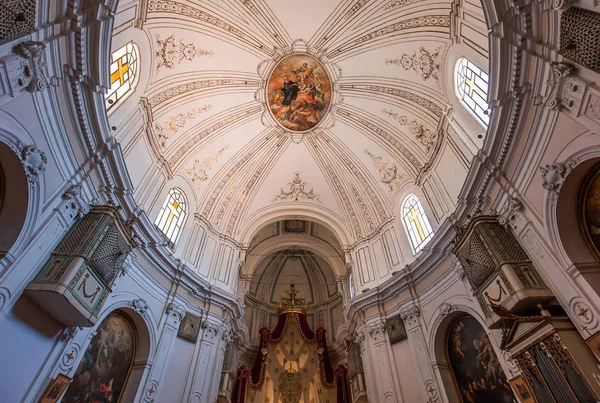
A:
x: 472, y: 90
x: 416, y: 223
x: 172, y: 214
x: 124, y: 74
x: 351, y: 284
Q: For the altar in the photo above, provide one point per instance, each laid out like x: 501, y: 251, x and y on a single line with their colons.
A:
x: 292, y: 364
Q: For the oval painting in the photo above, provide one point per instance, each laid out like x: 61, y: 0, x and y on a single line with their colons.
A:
x: 299, y: 92
x: 590, y: 211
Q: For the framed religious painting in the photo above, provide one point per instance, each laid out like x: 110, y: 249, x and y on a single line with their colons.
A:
x: 589, y: 211
x: 594, y: 343
x: 55, y: 390
x: 522, y: 390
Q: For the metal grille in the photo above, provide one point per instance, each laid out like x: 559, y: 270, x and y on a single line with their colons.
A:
x: 108, y: 256
x: 511, y: 248
x: 476, y: 261
x: 580, y: 37
x: 396, y: 330
x: 17, y: 18
x: 77, y: 239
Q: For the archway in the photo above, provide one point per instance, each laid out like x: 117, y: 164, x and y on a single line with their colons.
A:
x: 14, y: 198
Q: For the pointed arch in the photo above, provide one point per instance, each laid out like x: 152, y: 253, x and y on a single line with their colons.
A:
x: 417, y: 226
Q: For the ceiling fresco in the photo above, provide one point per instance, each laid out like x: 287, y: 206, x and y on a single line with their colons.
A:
x: 268, y: 105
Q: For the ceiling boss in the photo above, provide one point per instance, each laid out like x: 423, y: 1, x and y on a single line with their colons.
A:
x: 299, y: 92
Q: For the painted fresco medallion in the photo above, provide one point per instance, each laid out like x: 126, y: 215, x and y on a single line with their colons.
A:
x: 299, y: 92
x: 589, y: 217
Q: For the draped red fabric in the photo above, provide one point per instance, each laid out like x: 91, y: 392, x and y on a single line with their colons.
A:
x: 241, y: 385
x: 341, y: 380
x: 258, y: 370
x: 305, y: 328
x: 278, y: 332
x: 327, y: 377
x: 283, y: 322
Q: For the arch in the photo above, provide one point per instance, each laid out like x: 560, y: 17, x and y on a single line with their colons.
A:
x: 275, y: 213
x: 441, y: 328
x: 124, y: 75
x: 416, y: 224
x: 173, y: 215
x: 471, y: 85
x: 19, y: 200
x: 107, y: 366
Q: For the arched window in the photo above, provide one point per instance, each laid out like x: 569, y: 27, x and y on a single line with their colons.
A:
x: 416, y: 223
x: 124, y: 75
x: 472, y: 90
x: 351, y: 285
x: 172, y: 214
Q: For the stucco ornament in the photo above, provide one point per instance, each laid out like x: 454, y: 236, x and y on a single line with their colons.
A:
x: 562, y: 4
x: 33, y: 74
x: 139, y: 305
x: 34, y: 161
x: 513, y: 207
x: 176, y: 311
x: 553, y: 176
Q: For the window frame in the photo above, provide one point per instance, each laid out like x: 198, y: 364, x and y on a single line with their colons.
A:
x: 425, y: 224
x: 132, y: 81
x: 175, y: 225
x: 459, y: 87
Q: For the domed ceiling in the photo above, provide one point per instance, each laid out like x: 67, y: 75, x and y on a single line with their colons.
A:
x: 306, y: 106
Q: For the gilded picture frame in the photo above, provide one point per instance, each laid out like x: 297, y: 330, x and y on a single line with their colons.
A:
x: 589, y: 210
x: 55, y: 390
x: 594, y: 344
x: 522, y: 390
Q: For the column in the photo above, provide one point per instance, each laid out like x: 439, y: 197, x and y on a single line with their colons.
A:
x: 175, y: 314
x: 381, y: 376
x: 202, y: 384
x: 420, y: 355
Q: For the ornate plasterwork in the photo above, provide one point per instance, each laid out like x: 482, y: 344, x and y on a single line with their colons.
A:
x: 33, y: 77
x: 297, y: 191
x: 427, y: 63
x: 139, y: 305
x: 168, y: 51
x: 425, y: 136
x: 418, y: 22
x: 199, y: 171
x: 394, y: 4
x: 171, y: 127
x: 388, y: 171
x: 169, y: 94
x: 34, y: 161
x: 553, y: 176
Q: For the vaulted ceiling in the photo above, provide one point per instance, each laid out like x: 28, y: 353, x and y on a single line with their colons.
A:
x: 209, y: 121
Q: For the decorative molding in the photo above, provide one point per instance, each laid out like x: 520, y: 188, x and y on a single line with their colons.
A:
x: 425, y: 136
x: 559, y: 72
x: 176, y: 311
x: 394, y: 4
x: 513, y: 207
x: 553, y: 176
x: 410, y: 316
x: 172, y: 126
x: 168, y: 51
x: 73, y: 194
x: 445, y: 309
x: 199, y: 171
x: 561, y: 5
x: 388, y: 171
x: 139, y: 305
x: 377, y: 331
x: 34, y: 161
x: 297, y: 191
x: 33, y: 76
x: 427, y: 63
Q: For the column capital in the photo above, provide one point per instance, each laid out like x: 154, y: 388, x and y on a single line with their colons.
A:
x: 410, y: 316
